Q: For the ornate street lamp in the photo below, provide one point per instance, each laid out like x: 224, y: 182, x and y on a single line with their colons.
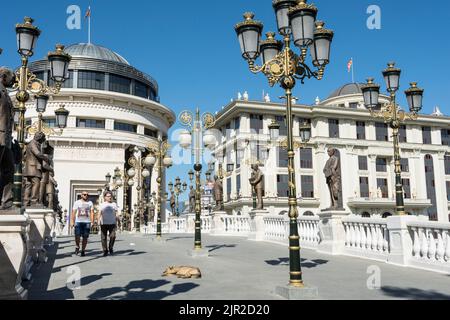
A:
x: 198, y: 130
x: 27, y: 82
x: 392, y: 114
x: 159, y: 151
x: 296, y: 21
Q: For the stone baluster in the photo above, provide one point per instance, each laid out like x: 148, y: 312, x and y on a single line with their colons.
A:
x: 424, y: 245
x: 362, y: 228
x: 447, y: 245
x: 440, y: 252
x: 416, y: 245
x: 380, y: 238
x: 432, y: 246
x: 374, y: 237
x: 357, y: 236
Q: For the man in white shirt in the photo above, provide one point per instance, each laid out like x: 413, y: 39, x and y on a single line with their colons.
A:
x: 82, y: 220
x: 108, y: 223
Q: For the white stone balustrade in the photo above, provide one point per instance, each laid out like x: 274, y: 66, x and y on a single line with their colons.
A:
x: 206, y: 224
x: 367, y: 238
x: 276, y: 229
x: 177, y: 225
x: 235, y: 225
x: 308, y: 230
x: 430, y: 245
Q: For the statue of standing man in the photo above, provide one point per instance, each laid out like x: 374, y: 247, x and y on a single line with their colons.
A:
x: 7, y: 79
x: 332, y: 173
x: 218, y: 194
x: 257, y: 182
x: 32, y: 173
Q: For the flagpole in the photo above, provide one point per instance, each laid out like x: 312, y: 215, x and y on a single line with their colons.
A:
x: 353, y: 71
x: 89, y: 27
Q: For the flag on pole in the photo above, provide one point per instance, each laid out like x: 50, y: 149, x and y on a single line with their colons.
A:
x: 349, y: 65
x: 88, y: 13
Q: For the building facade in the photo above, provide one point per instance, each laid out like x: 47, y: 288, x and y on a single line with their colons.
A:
x: 366, y: 153
x: 114, y: 108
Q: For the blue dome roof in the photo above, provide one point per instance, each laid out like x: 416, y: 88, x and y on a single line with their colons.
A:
x: 89, y: 50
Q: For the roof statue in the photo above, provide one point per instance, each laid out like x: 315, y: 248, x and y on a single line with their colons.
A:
x: 317, y: 101
x: 239, y: 96
x: 245, y: 96
x: 267, y: 98
x: 437, y: 112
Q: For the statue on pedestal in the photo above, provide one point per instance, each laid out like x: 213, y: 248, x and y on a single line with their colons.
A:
x: 191, y: 199
x: 7, y: 79
x: 50, y: 189
x: 32, y: 173
x: 172, y: 204
x: 332, y: 173
x: 47, y: 169
x: 218, y: 194
x: 257, y: 182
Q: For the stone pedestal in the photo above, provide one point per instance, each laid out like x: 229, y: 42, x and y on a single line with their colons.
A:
x: 294, y: 293
x: 217, y: 226
x: 400, y: 241
x: 198, y: 253
x: 38, y: 231
x: 332, y: 232
x: 13, y: 250
x: 257, y: 224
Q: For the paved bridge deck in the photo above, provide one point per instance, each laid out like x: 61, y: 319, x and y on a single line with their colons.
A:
x: 237, y: 269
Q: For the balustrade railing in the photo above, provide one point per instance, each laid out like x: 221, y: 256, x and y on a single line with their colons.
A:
x: 236, y: 225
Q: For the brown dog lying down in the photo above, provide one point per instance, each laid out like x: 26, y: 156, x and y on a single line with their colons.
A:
x: 183, y: 272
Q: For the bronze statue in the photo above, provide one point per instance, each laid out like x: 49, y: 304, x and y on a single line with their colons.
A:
x: 192, y: 199
x: 7, y: 79
x: 50, y: 190
x: 33, y: 169
x: 332, y: 173
x: 257, y: 182
x: 47, y: 169
x: 218, y: 193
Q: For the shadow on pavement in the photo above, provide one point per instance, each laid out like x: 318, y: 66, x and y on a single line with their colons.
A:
x: 414, y: 293
x: 220, y: 246
x: 139, y: 290
x: 305, y: 262
x: 178, y: 238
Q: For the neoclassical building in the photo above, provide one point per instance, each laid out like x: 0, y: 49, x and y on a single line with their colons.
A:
x: 114, y: 108
x: 366, y: 152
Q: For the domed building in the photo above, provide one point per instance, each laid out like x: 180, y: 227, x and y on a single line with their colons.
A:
x: 114, y: 110
x: 364, y: 144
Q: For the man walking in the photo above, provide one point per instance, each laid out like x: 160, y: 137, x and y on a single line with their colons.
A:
x: 82, y: 220
x: 108, y: 223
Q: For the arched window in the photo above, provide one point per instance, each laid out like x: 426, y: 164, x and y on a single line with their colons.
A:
x: 283, y: 213
x: 308, y: 214
x: 386, y: 215
x: 365, y: 215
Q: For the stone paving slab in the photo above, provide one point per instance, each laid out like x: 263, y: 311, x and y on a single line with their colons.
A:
x: 237, y: 269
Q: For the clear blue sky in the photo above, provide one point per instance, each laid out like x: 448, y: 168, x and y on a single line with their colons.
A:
x: 191, y: 49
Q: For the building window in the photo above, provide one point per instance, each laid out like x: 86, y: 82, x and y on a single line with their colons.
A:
x: 229, y: 189
x: 121, y: 126
x: 360, y: 130
x: 306, y: 160
x: 281, y: 120
x: 402, y: 134
x: 447, y: 164
x: 259, y: 153
x: 308, y: 214
x: 150, y: 133
x: 386, y: 215
x: 426, y: 135
x: 383, y: 185
x: 282, y: 158
x: 119, y: 84
x: 90, y: 123
x: 431, y: 187
x: 238, y: 154
x: 282, y: 185
x: 237, y: 124
x: 364, y: 187
x: 445, y: 135
x: 362, y: 162
x: 303, y: 121
x: 238, y: 185
x: 381, y: 165
x: 307, y: 186
x: 365, y: 215
x: 381, y: 130
x: 40, y: 75
x: 50, y: 122
x: 406, y: 188
x: 91, y: 80
x: 66, y: 84
x: 333, y: 127
x: 256, y: 122
x: 404, y: 165
x: 141, y: 89
x: 448, y: 190
x: 353, y: 105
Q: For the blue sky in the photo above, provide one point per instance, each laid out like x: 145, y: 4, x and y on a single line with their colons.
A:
x: 191, y: 49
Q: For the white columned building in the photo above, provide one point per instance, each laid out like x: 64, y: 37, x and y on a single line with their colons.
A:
x: 113, y: 108
x: 366, y: 152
